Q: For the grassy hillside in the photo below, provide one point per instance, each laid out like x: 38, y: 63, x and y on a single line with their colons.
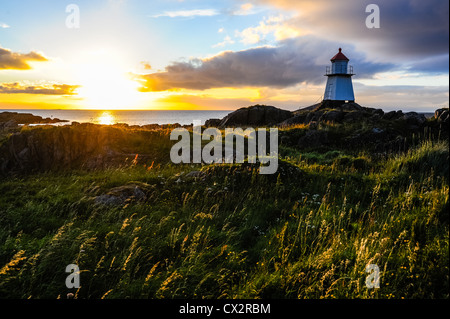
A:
x: 225, y: 231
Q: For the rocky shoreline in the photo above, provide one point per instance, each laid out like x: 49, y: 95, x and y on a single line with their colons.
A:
x: 319, y: 113
x: 262, y: 115
x: 14, y: 119
x: 93, y: 146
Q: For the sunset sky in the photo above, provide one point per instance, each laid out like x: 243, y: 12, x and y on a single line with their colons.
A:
x: 220, y: 55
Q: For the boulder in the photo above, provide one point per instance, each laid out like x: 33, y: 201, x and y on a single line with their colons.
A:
x: 377, y: 130
x: 313, y: 138
x: 375, y: 118
x: 313, y: 116
x: 9, y: 125
x: 121, y: 195
x: 194, y: 174
x: 354, y: 116
x: 212, y: 122
x: 332, y: 116
x: 255, y: 115
x: 380, y: 112
x: 352, y: 106
x: 414, y: 119
x: 392, y: 115
x: 297, y: 119
x: 442, y: 115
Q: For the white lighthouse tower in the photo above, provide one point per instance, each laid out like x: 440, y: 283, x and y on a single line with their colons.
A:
x: 339, y: 87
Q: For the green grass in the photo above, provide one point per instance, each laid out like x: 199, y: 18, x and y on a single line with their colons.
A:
x: 307, y: 232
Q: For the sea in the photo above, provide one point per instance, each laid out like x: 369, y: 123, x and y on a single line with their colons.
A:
x: 129, y: 117
x: 109, y: 117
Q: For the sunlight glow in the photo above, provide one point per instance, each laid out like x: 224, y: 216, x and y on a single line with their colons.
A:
x: 106, y: 118
x: 104, y: 80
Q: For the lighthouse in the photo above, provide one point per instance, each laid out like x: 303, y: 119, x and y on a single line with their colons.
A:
x: 339, y: 87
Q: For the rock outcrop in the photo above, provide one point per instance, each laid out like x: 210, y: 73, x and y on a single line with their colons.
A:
x: 8, y: 125
x: 313, y: 137
x: 263, y: 115
x: 90, y: 146
x: 27, y: 118
x: 82, y: 146
x: 121, y: 195
x: 441, y: 115
x: 352, y: 112
x: 59, y: 147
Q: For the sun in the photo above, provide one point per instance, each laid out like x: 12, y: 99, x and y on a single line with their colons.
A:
x: 104, y: 80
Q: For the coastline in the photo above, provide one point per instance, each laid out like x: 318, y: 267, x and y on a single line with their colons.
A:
x: 129, y: 117
x: 133, y: 117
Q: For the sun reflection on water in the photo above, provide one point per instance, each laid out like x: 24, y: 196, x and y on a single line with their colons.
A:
x: 106, y: 118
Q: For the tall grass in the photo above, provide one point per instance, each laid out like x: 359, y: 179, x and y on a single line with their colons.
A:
x: 307, y: 232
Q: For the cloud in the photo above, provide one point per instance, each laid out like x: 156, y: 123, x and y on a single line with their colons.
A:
x: 273, y: 25
x: 294, y: 61
x: 188, y: 13
x: 417, y: 98
x: 245, y: 9
x: 4, y: 25
x: 436, y: 64
x: 410, y: 29
x: 18, y: 61
x: 225, y: 41
x: 54, y: 89
x: 146, y: 65
x: 206, y: 102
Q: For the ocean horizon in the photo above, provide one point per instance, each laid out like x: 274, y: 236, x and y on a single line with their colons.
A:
x: 133, y: 117
x: 130, y: 117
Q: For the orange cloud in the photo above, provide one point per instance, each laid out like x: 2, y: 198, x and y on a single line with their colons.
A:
x: 18, y: 61
x: 55, y: 89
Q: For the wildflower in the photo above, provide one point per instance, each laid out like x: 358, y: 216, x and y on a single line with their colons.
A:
x: 12, y: 265
x: 134, y: 162
x: 106, y: 293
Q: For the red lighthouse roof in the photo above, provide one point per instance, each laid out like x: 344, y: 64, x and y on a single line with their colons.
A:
x: 339, y: 57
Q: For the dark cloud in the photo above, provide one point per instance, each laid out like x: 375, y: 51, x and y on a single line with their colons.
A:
x: 436, y: 64
x: 18, y: 61
x: 414, y: 27
x: 294, y: 61
x: 410, y: 30
x: 55, y: 89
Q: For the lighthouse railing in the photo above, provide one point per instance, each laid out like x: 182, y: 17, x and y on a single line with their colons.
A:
x: 341, y: 70
x: 350, y: 69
